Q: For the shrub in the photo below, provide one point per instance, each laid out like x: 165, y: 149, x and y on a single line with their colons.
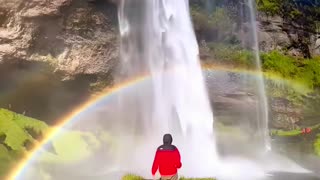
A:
x: 310, y: 73
x: 279, y: 63
x: 232, y: 55
x: 304, y: 71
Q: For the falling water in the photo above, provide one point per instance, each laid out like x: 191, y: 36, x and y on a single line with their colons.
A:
x: 157, y: 38
x: 263, y: 117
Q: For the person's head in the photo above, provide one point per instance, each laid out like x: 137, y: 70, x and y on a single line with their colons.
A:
x: 167, y: 139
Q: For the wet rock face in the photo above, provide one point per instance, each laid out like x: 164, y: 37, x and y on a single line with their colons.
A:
x: 74, y: 36
x: 284, y: 114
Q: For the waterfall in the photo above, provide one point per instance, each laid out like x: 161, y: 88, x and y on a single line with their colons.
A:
x: 157, y: 38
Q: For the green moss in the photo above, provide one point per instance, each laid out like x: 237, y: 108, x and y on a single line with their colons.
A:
x: 317, y: 145
x: 15, y: 132
x: 231, y: 55
x: 304, y: 74
x: 303, y: 71
x: 134, y: 177
x: 295, y: 132
x: 270, y: 7
x: 309, y: 72
x: 15, y: 129
x: 279, y: 63
x: 285, y: 133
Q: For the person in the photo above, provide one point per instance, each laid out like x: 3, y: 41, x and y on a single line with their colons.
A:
x: 167, y: 160
x: 306, y: 130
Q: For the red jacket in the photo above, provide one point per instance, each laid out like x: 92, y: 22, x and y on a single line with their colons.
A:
x: 306, y: 130
x: 167, y: 160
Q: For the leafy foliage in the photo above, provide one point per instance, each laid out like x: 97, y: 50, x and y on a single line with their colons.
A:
x: 14, y: 132
x: 14, y: 127
x: 306, y: 72
x: 232, y: 55
x: 279, y: 63
x: 270, y: 7
x: 310, y: 72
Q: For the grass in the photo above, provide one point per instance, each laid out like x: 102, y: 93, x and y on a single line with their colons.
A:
x: 317, y: 145
x: 295, y: 132
x: 232, y: 55
x: 304, y: 71
x: 135, y: 177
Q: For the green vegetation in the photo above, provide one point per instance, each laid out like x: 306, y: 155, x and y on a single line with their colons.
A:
x: 215, y: 26
x: 306, y: 72
x: 17, y: 134
x: 18, y: 129
x: 134, y: 177
x: 219, y: 24
x: 231, y: 55
x: 317, y: 145
x: 295, y: 132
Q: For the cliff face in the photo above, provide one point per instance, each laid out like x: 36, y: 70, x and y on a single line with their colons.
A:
x: 81, y: 36
x: 275, y: 34
x: 78, y: 41
x: 74, y: 36
x: 53, y: 53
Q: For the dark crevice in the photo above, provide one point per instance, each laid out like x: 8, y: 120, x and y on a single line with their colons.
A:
x: 2, y: 142
x: 28, y: 145
x: 33, y: 133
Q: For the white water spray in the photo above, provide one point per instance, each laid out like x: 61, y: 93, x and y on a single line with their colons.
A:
x: 157, y: 38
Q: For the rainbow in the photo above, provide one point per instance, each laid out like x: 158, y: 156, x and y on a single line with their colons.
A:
x: 70, y: 116
x: 18, y: 170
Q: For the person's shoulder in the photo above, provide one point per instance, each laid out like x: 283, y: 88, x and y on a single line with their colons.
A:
x: 167, y: 148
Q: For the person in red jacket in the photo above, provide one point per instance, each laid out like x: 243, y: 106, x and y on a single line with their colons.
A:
x: 167, y: 160
x: 306, y: 130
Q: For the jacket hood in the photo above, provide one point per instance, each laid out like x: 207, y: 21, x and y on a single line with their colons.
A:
x: 167, y: 139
